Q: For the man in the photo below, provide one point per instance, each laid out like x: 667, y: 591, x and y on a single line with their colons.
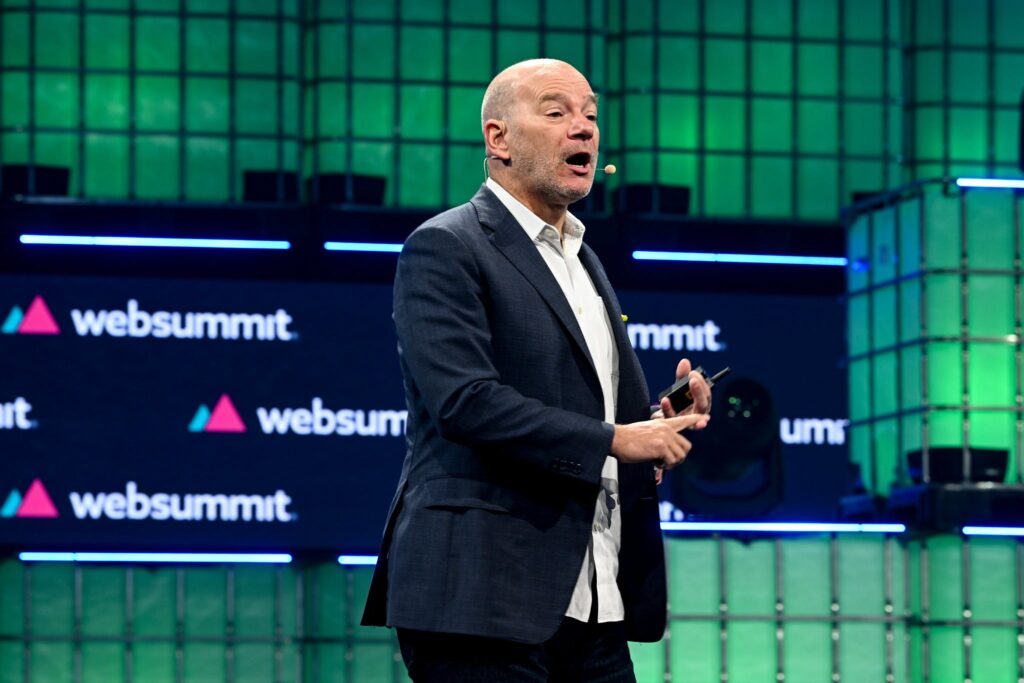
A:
x: 523, y: 543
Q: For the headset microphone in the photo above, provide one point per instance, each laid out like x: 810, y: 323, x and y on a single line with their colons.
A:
x: 610, y: 169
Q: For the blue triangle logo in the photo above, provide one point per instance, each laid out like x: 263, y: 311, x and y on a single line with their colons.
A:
x: 11, y: 505
x: 200, y: 419
x: 13, y: 320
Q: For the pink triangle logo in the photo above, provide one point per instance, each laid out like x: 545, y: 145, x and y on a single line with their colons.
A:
x: 38, y: 319
x: 37, y: 502
x: 224, y: 417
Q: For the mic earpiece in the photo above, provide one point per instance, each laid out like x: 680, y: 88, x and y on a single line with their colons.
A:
x: 610, y: 169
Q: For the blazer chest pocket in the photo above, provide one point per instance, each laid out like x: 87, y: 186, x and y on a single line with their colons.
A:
x: 456, y: 494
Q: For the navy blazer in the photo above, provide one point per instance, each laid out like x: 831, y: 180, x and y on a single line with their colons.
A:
x: 506, y: 440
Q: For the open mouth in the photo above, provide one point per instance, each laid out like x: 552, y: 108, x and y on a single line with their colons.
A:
x: 579, y: 162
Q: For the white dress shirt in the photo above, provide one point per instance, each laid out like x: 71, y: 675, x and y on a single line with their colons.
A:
x: 562, y: 257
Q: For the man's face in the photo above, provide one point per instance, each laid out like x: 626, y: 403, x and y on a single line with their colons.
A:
x: 553, y: 136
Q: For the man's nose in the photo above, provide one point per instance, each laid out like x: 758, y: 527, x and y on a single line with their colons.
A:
x: 582, y: 128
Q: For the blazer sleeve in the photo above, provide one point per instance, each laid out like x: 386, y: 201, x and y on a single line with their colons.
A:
x: 441, y: 320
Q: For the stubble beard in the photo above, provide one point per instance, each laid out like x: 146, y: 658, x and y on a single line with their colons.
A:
x: 541, y: 176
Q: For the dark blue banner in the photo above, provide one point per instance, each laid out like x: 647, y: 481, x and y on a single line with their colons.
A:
x: 205, y: 415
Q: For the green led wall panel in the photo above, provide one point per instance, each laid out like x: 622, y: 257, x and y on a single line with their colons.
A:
x: 965, y: 66
x: 934, y: 329
x: 765, y: 109
x: 402, y: 101
x: 151, y: 100
x: 780, y: 109
x: 968, y: 597
x: 801, y: 608
x: 788, y: 609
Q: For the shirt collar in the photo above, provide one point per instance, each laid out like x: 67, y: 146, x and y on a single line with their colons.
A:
x: 573, y: 229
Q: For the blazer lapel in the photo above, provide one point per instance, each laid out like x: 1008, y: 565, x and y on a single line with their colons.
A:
x: 611, y: 303
x: 631, y: 381
x: 510, y: 238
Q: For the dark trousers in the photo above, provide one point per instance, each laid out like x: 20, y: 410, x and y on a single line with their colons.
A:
x: 577, y: 653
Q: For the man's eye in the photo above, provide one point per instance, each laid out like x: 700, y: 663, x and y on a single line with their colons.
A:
x: 554, y: 113
x: 592, y: 117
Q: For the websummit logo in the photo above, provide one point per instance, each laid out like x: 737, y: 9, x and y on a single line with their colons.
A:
x: 223, y: 418
x: 36, y: 503
x: 36, y: 320
x: 315, y: 420
x: 134, y: 322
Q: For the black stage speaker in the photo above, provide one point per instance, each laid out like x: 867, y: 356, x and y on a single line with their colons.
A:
x: 270, y: 186
x: 947, y: 465
x: 734, y: 470
x: 964, y: 487
x: 367, y: 190
x: 50, y: 181
x: 637, y: 198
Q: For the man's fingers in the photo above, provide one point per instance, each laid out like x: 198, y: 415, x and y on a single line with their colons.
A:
x: 656, y: 440
x: 674, y: 450
x: 701, y: 393
x: 681, y: 422
x: 678, y: 455
x: 683, y: 369
x: 683, y: 447
x: 666, y: 408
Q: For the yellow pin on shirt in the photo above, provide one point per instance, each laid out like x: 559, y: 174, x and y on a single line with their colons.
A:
x: 625, y: 318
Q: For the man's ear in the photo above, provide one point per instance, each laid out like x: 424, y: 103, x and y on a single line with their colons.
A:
x: 496, y: 138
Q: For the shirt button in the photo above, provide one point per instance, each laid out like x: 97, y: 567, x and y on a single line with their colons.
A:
x: 579, y: 310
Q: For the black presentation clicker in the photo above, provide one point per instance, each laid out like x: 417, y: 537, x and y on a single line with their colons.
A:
x: 679, y: 393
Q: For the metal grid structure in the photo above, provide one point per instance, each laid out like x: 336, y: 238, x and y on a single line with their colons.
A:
x: 151, y: 99
x: 785, y: 609
x: 799, y: 609
x: 934, y: 305
x: 965, y: 60
x: 766, y: 109
x: 966, y: 596
x: 394, y: 89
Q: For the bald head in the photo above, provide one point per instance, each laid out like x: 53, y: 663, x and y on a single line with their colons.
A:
x: 539, y: 121
x: 500, y: 99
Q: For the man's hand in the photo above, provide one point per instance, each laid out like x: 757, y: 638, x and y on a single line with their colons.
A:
x: 699, y: 389
x: 656, y: 440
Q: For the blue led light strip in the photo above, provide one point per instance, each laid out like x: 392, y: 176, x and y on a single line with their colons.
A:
x: 997, y: 183
x: 837, y: 261
x: 763, y: 527
x: 772, y: 259
x: 785, y: 527
x: 164, y: 242
x: 993, y: 531
x: 258, y: 558
x: 378, y: 247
